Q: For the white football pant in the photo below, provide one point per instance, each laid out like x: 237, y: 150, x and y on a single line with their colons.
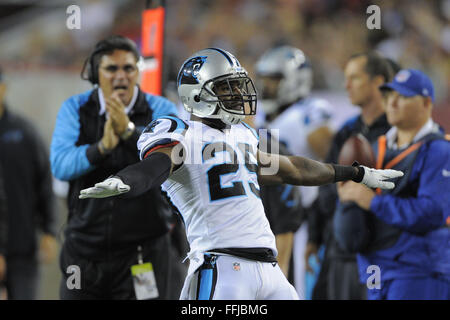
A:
x: 224, y: 277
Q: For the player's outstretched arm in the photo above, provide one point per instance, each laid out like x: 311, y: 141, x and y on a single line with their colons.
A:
x: 307, y: 172
x: 135, y: 179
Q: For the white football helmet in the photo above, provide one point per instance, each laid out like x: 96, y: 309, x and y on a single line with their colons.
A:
x: 213, y: 84
x: 292, y: 68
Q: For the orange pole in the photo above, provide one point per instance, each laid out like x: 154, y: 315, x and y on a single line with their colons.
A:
x: 152, y: 50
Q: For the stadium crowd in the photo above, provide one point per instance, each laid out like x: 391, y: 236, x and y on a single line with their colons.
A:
x: 327, y: 31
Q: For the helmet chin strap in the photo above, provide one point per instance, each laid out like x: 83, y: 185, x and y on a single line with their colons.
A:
x: 229, y: 118
x: 225, y: 117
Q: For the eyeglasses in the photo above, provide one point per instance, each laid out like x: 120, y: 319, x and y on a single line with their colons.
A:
x: 128, y: 68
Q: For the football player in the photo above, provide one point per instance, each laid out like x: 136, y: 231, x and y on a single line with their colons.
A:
x: 211, y: 168
x: 284, y: 80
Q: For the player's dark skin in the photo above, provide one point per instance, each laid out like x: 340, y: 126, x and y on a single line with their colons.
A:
x: 293, y: 170
x: 272, y: 169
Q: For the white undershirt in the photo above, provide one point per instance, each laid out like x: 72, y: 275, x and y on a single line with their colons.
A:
x: 128, y: 108
x: 391, y: 136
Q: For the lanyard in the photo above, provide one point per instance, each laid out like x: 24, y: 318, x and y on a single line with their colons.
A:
x: 382, y: 151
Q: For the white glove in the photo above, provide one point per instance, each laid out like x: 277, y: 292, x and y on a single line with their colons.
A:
x: 374, y: 178
x: 107, y: 188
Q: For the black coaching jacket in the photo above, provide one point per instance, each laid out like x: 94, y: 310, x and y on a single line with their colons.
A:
x: 102, y: 228
x: 26, y: 196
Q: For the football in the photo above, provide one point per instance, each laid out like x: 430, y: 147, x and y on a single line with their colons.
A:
x: 357, y: 148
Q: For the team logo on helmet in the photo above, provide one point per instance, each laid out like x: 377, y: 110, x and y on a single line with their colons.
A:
x: 189, y: 72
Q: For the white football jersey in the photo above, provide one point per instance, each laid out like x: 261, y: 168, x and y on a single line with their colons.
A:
x: 294, y: 125
x: 216, y: 188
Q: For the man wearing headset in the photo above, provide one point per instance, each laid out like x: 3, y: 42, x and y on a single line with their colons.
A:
x: 115, y: 248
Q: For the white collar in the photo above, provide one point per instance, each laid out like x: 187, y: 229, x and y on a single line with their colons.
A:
x: 391, y: 136
x: 128, y: 108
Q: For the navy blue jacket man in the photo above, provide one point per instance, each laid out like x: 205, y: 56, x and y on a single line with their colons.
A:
x: 407, y: 255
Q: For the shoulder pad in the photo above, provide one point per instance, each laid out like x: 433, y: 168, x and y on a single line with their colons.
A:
x: 166, y: 124
x: 164, y: 131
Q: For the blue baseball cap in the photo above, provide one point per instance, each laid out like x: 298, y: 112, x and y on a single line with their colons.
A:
x: 411, y: 82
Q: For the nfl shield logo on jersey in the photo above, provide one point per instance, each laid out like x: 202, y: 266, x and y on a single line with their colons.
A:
x: 236, y: 266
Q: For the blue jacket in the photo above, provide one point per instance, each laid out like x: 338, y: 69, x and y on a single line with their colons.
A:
x: 422, y: 248
x: 71, y: 159
x: 99, y: 228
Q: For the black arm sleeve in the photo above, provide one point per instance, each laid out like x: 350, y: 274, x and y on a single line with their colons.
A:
x: 344, y: 173
x: 146, y: 174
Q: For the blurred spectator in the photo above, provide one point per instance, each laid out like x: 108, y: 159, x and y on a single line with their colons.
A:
x: 28, y: 204
x: 338, y: 278
x: 97, y: 18
x: 408, y: 225
x: 327, y: 31
x: 96, y: 135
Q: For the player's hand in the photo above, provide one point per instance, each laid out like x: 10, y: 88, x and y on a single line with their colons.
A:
x: 112, y: 186
x: 374, y: 178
